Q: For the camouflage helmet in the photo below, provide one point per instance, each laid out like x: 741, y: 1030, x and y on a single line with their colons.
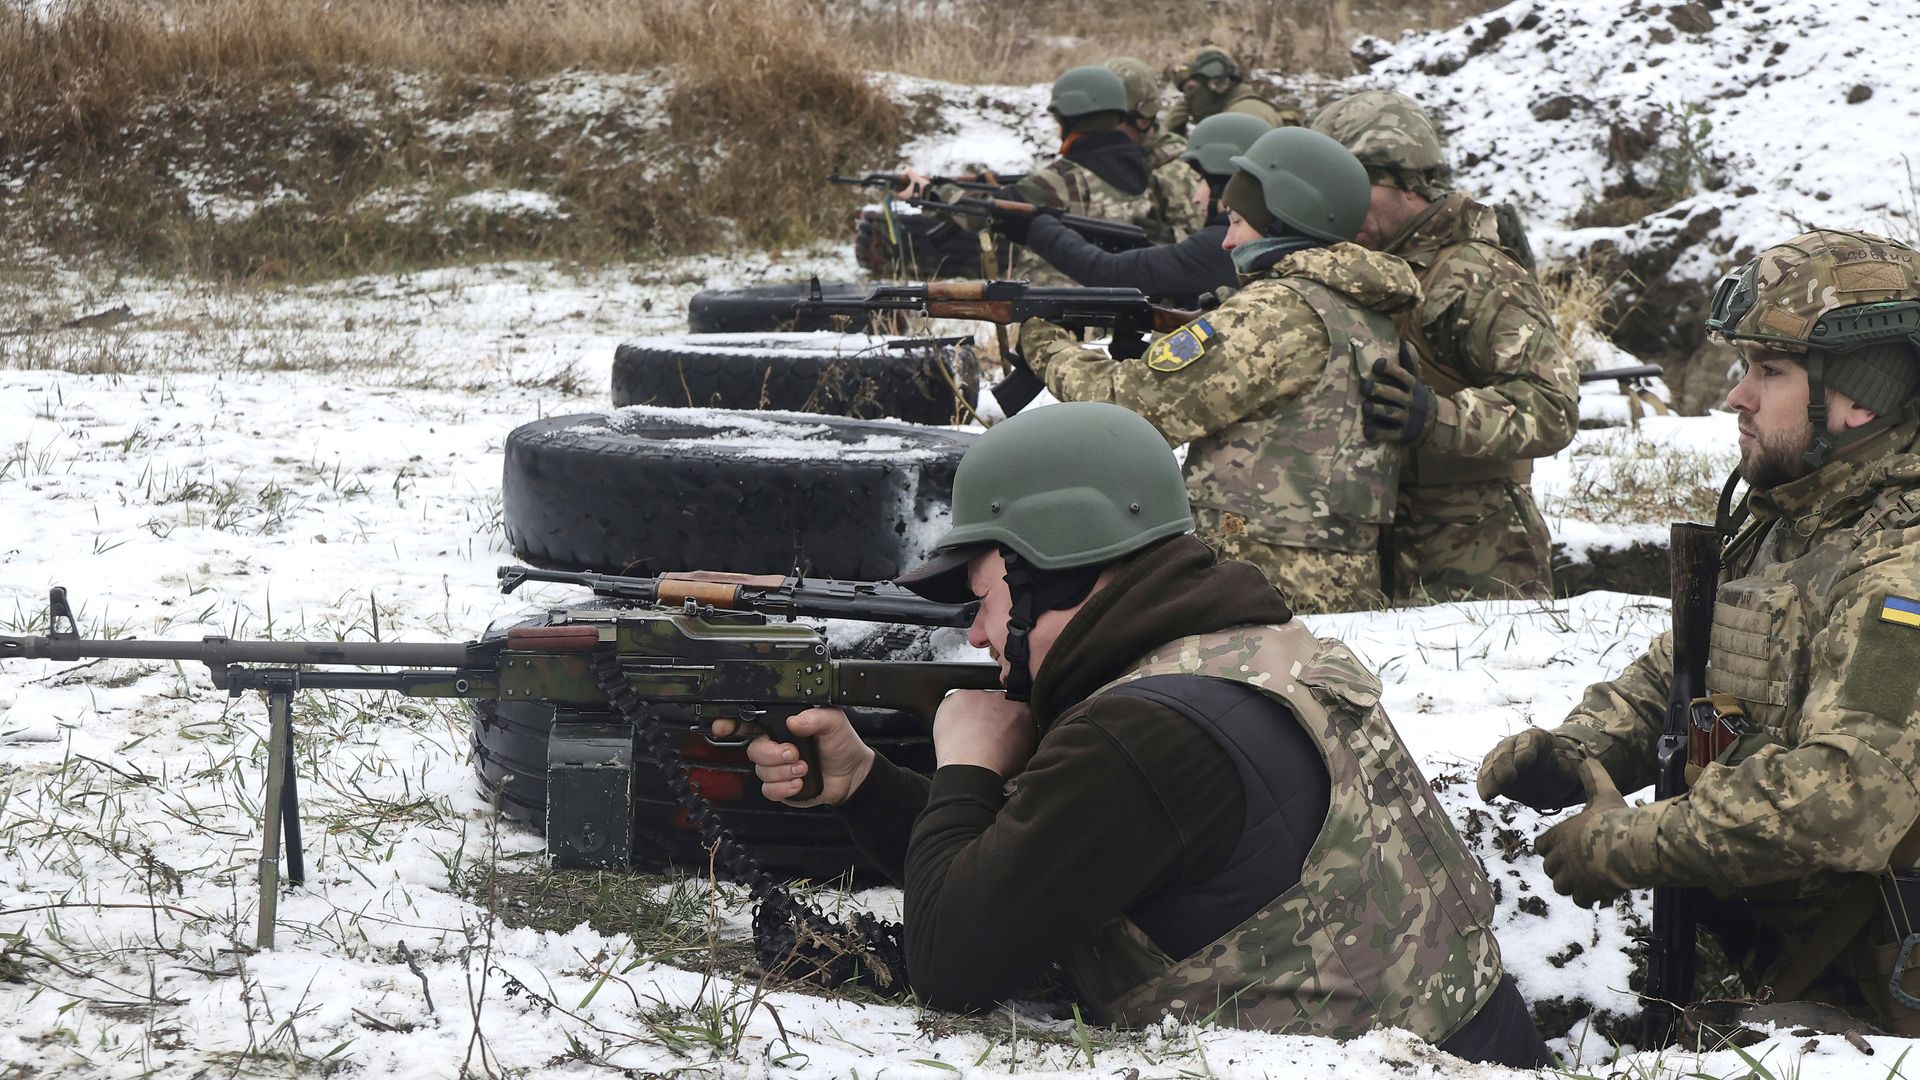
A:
x: 1207, y: 64
x: 1083, y: 91
x: 1216, y: 141
x: 1847, y: 306
x: 1307, y: 180
x: 1143, y: 89
x: 1070, y: 485
x: 1385, y: 130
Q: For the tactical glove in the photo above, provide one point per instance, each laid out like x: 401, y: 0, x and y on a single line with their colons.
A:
x: 1398, y: 405
x: 1535, y: 767
x: 1013, y: 226
x: 1597, y: 854
x: 1211, y: 300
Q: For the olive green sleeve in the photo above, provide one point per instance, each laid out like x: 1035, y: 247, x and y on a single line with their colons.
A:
x: 1843, y: 793
x: 1486, y: 314
x: 1620, y: 720
x: 1175, y: 118
x: 1264, y: 346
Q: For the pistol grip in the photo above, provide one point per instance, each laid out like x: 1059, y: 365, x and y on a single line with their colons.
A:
x: 774, y: 723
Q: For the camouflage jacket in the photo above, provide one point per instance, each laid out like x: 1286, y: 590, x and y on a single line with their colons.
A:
x: 1274, y: 427
x: 1241, y: 99
x: 1389, y: 924
x: 1078, y: 190
x: 1507, y: 389
x: 1807, y: 638
x: 1175, y: 214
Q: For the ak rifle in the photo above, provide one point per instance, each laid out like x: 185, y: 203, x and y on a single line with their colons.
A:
x: 1113, y: 236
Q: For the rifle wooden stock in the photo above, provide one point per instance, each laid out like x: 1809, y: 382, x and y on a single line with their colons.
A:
x: 993, y: 311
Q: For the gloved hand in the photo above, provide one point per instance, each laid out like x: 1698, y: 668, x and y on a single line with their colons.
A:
x: 1398, y: 406
x: 1593, y: 855
x: 1014, y: 226
x: 1040, y: 340
x: 1535, y: 767
x: 1211, y: 300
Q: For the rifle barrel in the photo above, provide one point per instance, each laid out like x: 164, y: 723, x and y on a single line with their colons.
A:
x: 219, y: 652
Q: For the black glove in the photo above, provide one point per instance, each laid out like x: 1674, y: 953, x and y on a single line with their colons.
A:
x: 1013, y: 226
x: 1398, y: 406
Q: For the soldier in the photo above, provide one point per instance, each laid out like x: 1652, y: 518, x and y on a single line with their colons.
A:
x: 1266, y: 387
x: 1175, y: 215
x: 1180, y: 273
x: 1490, y: 385
x: 1144, y: 806
x: 1210, y: 84
x: 1803, y: 831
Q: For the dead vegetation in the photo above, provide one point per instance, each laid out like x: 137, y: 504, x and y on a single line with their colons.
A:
x: 311, y: 138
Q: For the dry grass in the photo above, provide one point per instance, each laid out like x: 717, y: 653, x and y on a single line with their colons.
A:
x: 304, y: 138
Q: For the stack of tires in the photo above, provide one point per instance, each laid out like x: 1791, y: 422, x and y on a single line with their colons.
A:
x: 754, y: 446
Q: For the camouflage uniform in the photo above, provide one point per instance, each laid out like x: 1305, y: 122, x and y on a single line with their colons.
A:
x: 1388, y: 926
x: 1077, y: 190
x: 1466, y: 526
x: 1241, y: 99
x: 1176, y: 216
x: 1278, y: 472
x: 1796, y: 819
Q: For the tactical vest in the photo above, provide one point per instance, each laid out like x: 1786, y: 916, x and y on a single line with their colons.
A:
x: 1433, y: 468
x: 1389, y: 925
x: 1306, y: 475
x: 1077, y: 189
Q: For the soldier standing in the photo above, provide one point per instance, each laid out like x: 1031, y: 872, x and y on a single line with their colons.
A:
x: 1211, y: 84
x: 1143, y: 806
x: 1266, y: 388
x: 1803, y: 830
x: 1491, y: 386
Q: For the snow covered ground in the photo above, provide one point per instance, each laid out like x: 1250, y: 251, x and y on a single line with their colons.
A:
x: 306, y: 463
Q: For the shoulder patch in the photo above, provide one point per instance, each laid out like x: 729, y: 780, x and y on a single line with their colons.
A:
x: 1183, y: 347
x: 1899, y: 609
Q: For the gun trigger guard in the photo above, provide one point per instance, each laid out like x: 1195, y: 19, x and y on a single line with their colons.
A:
x: 57, y: 610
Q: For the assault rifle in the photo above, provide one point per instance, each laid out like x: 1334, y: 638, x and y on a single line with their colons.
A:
x: 896, y: 181
x: 1125, y: 314
x: 1671, y: 960
x: 1100, y: 232
x: 637, y: 672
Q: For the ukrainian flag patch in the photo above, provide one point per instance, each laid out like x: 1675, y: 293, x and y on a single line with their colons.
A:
x: 1189, y: 343
x: 1899, y: 609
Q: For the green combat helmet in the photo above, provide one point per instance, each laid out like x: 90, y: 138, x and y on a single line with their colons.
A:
x: 1143, y: 89
x: 1084, y: 91
x: 1307, y: 180
x: 1207, y: 65
x: 1216, y: 141
x: 1847, y: 305
x: 1061, y: 491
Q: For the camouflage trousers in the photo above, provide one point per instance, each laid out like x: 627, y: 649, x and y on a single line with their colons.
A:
x: 1482, y: 541
x: 1314, y: 580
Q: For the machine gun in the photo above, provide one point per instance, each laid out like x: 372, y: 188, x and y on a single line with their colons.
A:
x: 1107, y: 235
x: 638, y: 671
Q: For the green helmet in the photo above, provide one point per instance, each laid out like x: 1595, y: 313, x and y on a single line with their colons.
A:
x: 1207, y: 64
x: 1847, y: 305
x: 1072, y: 485
x: 1216, y: 141
x: 1306, y: 180
x: 1143, y: 88
x: 1385, y: 130
x: 1083, y: 91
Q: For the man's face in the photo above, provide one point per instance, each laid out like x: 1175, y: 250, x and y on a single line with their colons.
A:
x: 1238, y: 232
x: 1388, y: 210
x: 1771, y: 398
x: 987, y: 579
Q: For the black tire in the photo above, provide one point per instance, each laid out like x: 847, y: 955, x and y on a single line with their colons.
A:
x: 921, y: 246
x: 767, y: 308
x: 870, y: 377
x: 510, y: 739
x: 651, y: 490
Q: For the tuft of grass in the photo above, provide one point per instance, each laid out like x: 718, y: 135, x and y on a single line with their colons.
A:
x: 1625, y: 478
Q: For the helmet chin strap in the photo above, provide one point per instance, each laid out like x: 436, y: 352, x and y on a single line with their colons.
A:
x: 1033, y: 592
x: 1816, y: 454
